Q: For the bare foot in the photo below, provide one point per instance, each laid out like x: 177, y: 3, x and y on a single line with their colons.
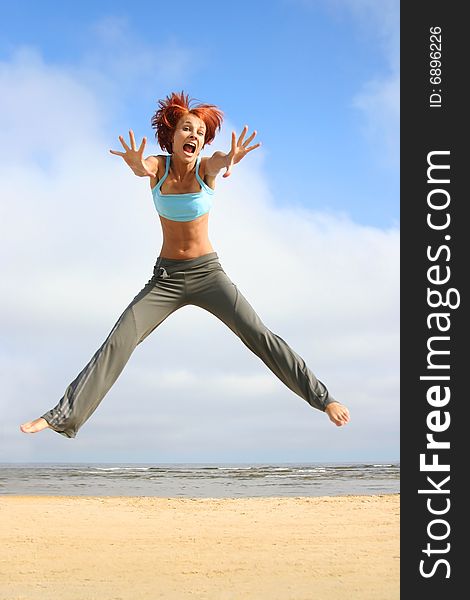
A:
x: 34, y: 426
x: 338, y: 413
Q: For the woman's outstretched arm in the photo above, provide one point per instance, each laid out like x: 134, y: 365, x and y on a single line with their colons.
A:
x: 239, y: 150
x: 142, y: 167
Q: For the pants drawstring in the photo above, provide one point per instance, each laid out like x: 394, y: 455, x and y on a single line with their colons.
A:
x: 161, y: 273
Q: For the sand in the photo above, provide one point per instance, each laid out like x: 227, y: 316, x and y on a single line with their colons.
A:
x: 123, y: 548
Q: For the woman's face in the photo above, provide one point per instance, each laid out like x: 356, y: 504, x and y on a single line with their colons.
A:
x: 188, y: 139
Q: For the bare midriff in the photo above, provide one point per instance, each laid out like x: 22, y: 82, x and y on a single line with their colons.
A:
x: 185, y: 239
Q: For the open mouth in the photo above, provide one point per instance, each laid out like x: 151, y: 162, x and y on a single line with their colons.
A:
x: 189, y: 147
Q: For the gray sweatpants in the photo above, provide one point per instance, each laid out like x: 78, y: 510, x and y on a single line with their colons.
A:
x: 175, y: 283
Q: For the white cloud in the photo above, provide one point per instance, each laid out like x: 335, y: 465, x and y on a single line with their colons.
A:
x: 81, y: 236
x: 42, y: 109
x: 379, y: 98
x: 132, y: 64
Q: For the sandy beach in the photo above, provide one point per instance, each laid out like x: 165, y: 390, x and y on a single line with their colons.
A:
x: 140, y: 548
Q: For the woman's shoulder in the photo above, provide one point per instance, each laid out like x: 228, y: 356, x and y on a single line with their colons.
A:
x: 207, y: 179
x: 161, y: 162
x: 161, y: 158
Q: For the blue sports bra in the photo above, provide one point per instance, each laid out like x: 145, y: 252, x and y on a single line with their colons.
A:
x: 182, y: 207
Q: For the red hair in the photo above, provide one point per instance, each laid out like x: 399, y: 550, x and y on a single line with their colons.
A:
x: 176, y: 106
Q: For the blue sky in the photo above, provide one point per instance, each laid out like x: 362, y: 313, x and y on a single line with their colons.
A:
x: 307, y: 225
x: 294, y: 70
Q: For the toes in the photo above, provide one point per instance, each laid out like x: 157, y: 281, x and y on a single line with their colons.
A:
x: 31, y: 427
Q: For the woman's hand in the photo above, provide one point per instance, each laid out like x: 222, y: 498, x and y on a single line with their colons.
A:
x: 239, y: 150
x: 134, y: 158
x: 338, y: 413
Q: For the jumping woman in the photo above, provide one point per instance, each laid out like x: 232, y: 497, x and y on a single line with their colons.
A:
x: 187, y: 271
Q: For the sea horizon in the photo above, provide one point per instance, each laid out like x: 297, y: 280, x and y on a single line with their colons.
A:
x: 202, y: 480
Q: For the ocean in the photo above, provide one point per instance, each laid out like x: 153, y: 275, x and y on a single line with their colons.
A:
x: 199, y: 480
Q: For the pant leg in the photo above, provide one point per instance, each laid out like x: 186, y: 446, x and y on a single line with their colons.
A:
x: 217, y: 294
x: 154, y: 303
